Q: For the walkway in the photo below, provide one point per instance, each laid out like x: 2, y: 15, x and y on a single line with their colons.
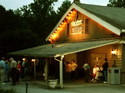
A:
x: 77, y: 86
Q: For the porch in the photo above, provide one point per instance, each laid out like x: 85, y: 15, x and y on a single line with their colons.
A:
x: 81, y: 52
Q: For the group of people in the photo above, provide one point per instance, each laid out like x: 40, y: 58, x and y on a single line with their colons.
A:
x: 97, y: 71
x: 70, y: 69
x: 10, y: 69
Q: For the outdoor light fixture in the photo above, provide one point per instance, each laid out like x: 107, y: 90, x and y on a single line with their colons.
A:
x: 23, y: 59
x: 62, y: 56
x: 114, y: 52
x: 33, y: 60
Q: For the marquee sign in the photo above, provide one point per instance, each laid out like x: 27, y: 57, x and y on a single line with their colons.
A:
x: 76, y: 23
x: 77, y: 27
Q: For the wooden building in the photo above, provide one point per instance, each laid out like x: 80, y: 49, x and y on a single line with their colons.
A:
x: 85, y: 32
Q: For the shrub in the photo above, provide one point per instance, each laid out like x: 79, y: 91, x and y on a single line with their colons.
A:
x: 7, y: 91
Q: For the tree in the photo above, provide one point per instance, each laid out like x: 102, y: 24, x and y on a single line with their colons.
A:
x: 28, y: 26
x: 2, y: 19
x: 63, y: 8
x: 116, y: 3
x: 15, y: 32
x: 41, y: 17
x: 13, y: 40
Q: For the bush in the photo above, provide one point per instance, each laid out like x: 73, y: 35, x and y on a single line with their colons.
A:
x: 7, y: 91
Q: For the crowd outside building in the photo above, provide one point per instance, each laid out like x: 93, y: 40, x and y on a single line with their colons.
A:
x: 13, y: 69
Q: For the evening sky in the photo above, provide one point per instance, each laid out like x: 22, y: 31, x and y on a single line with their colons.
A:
x: 14, y: 4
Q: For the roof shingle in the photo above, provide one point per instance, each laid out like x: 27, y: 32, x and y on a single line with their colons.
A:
x: 112, y: 15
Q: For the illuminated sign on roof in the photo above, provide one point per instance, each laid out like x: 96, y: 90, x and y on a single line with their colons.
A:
x: 76, y: 23
x: 77, y: 27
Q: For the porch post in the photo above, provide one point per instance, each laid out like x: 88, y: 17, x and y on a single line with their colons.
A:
x: 34, y: 69
x: 61, y: 72
x: 61, y: 69
x: 46, y: 71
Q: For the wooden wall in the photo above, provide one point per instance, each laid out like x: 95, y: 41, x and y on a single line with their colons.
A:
x: 123, y: 64
x: 96, y: 31
x: 101, y: 53
x: 106, y: 51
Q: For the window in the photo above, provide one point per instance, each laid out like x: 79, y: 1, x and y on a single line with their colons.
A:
x: 87, y: 31
x: 67, y: 29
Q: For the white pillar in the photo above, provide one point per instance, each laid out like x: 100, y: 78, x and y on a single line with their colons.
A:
x: 61, y: 72
x: 61, y: 69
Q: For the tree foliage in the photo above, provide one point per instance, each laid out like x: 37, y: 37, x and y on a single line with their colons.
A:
x: 39, y: 16
x: 2, y: 19
x: 29, y: 25
x: 63, y: 8
x: 116, y: 3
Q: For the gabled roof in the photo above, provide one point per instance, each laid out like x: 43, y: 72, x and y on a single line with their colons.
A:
x: 115, y: 16
x: 52, y: 50
x: 112, y: 18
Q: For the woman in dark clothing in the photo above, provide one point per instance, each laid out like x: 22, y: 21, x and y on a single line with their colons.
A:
x: 18, y: 72
x: 105, y: 67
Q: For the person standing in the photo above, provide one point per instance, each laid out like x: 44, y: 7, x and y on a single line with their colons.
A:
x: 26, y: 68
x: 86, y: 68
x: 6, y: 71
x: 105, y: 67
x: 2, y: 70
x: 68, y: 69
x: 101, y: 70
x: 13, y: 66
x: 22, y: 69
x: 74, y: 66
x: 18, y: 72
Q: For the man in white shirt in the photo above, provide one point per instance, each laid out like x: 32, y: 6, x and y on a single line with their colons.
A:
x: 95, y: 73
x: 13, y: 66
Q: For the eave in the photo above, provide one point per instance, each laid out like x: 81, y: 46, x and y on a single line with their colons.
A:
x: 90, y: 15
